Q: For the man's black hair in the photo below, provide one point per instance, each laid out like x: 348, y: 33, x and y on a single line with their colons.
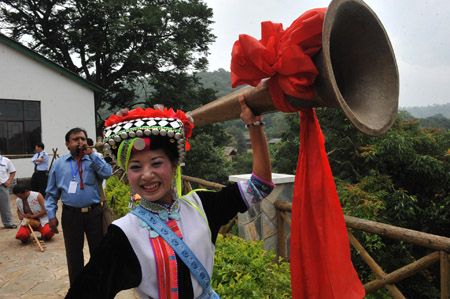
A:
x: 74, y: 131
x: 20, y: 188
x: 40, y: 144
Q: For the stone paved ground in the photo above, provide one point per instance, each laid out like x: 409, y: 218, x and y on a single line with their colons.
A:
x: 28, y: 273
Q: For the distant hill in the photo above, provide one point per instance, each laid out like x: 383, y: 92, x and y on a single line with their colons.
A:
x: 429, y: 111
x: 219, y: 81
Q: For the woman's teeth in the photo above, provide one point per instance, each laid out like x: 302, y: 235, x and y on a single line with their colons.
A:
x: 153, y: 186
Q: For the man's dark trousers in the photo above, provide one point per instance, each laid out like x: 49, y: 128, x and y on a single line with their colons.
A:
x: 75, y: 223
x: 39, y: 181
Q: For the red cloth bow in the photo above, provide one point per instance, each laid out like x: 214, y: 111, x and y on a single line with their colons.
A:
x: 283, y: 55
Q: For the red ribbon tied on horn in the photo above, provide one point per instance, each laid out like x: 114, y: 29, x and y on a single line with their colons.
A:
x: 283, y: 55
x: 321, y: 266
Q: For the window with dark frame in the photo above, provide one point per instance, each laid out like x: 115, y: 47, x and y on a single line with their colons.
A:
x: 20, y: 126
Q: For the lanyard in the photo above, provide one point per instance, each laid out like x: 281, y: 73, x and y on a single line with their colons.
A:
x: 78, y: 168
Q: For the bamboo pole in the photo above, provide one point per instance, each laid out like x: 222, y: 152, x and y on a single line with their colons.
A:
x: 445, y: 275
x: 35, y: 238
x: 379, y: 273
x: 403, y: 272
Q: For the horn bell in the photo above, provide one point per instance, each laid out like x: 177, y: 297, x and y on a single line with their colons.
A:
x: 357, y: 72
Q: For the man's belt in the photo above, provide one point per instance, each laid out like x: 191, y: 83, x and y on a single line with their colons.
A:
x: 81, y: 210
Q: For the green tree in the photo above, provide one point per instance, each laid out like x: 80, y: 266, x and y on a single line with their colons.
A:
x: 406, y: 172
x: 206, y: 161
x: 238, y: 138
x: 436, y: 121
x: 401, y: 178
x: 243, y: 163
x: 121, y: 45
x: 285, y: 153
x: 275, y: 124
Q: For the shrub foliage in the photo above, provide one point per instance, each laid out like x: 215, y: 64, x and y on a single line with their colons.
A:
x: 244, y: 269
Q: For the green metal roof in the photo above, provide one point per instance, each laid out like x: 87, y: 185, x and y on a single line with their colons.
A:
x: 27, y: 51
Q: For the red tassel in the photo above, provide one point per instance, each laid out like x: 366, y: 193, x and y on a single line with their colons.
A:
x: 321, y: 265
x: 80, y: 168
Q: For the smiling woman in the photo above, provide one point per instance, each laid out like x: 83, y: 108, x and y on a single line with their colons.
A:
x: 157, y: 246
x: 150, y: 175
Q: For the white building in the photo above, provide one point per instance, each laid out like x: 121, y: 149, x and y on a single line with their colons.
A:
x: 39, y: 102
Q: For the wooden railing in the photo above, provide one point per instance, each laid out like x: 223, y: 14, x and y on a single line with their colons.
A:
x: 441, y: 245
x: 201, y: 183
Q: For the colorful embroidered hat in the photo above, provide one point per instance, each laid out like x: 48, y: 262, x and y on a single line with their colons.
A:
x: 132, y: 130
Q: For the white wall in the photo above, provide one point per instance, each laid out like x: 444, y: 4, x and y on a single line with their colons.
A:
x: 65, y: 103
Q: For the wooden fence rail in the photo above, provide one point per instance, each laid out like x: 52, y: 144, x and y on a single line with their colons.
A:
x: 438, y: 243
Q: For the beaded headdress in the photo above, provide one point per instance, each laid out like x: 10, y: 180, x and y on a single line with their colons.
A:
x: 132, y: 131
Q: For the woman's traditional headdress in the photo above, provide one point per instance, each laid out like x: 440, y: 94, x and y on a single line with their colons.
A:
x: 131, y: 131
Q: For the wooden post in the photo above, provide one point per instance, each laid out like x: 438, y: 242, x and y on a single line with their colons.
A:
x: 281, y: 241
x: 282, y: 207
x: 379, y: 273
x: 403, y: 272
x: 225, y: 229
x: 55, y: 156
x: 445, y: 275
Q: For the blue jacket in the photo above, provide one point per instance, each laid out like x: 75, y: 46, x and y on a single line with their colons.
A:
x: 63, y: 171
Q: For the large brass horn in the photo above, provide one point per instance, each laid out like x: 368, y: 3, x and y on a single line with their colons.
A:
x: 357, y: 72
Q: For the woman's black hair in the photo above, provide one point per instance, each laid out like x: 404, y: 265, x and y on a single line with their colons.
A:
x: 167, y: 144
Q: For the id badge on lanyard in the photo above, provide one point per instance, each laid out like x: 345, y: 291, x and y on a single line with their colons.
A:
x: 73, y: 184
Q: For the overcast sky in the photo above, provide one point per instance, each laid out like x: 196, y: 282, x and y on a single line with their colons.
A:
x: 419, y: 31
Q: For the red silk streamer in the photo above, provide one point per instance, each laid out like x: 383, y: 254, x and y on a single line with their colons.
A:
x: 80, y: 168
x: 321, y: 266
x: 283, y: 55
